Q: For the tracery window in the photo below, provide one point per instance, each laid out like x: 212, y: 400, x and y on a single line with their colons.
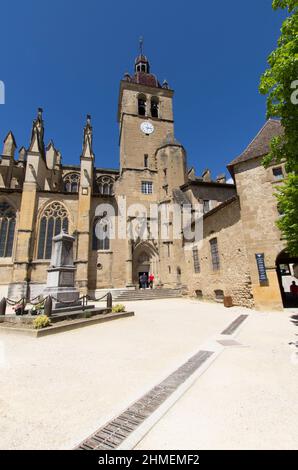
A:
x: 105, y: 185
x: 7, y: 229
x: 71, y: 182
x: 53, y: 220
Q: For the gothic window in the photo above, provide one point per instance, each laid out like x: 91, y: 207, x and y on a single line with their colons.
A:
x: 7, y: 229
x: 214, y: 254
x: 146, y: 160
x: 154, y: 107
x: 142, y: 105
x: 54, y: 218
x: 71, y: 182
x: 101, y: 234
x: 196, y: 260
x: 105, y: 185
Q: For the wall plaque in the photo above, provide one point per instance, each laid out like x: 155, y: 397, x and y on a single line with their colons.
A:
x: 261, y: 267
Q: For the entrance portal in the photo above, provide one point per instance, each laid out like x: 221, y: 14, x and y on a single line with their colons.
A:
x: 287, y: 273
x: 145, y: 260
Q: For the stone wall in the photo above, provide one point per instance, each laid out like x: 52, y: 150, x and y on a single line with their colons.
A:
x: 233, y: 276
x: 256, y: 187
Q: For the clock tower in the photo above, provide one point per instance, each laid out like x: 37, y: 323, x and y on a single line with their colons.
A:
x: 145, y: 116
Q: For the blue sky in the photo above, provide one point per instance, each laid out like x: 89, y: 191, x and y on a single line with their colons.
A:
x: 68, y: 57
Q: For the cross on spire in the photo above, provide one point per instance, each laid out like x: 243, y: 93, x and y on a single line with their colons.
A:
x: 141, y: 43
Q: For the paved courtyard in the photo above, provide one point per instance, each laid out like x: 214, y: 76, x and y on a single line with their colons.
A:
x: 57, y: 390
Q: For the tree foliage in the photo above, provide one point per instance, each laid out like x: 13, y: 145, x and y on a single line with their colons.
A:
x: 280, y: 84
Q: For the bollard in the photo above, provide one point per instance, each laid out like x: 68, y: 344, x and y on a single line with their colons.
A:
x: 3, y: 306
x: 109, y: 300
x: 48, y: 306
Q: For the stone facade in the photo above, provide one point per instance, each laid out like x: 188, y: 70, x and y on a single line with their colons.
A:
x: 232, y: 276
x: 40, y: 194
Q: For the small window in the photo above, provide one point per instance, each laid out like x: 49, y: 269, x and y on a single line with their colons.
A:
x: 196, y: 260
x: 206, y: 206
x: 277, y: 173
x: 146, y: 160
x: 147, y: 187
x: 219, y: 295
x: 214, y: 254
x: 199, y: 293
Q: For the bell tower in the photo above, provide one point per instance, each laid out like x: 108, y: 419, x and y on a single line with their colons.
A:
x: 145, y: 115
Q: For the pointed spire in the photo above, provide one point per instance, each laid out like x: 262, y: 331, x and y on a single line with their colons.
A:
x: 88, y: 139
x: 9, y: 145
x: 37, y: 134
x: 50, y: 145
x: 51, y: 155
x: 141, y: 62
x: 22, y: 154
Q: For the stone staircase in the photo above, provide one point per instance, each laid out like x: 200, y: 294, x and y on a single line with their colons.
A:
x: 147, y: 294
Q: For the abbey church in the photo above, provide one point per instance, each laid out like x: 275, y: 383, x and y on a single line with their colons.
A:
x: 241, y: 255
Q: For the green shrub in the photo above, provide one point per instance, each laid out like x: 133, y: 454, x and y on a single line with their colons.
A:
x: 118, y: 308
x: 41, y: 322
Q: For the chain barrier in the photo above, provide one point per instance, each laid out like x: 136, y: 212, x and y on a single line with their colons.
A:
x: 97, y: 300
x: 41, y: 301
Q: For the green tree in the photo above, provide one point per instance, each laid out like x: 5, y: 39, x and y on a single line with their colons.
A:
x: 280, y: 84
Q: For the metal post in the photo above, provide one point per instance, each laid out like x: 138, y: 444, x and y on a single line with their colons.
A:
x: 109, y: 300
x: 3, y: 306
x: 48, y: 305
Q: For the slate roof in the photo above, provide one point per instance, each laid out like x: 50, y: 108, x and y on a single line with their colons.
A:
x: 147, y: 79
x: 260, y: 145
x: 180, y: 197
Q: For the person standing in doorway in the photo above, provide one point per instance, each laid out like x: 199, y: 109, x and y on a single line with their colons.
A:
x: 151, y: 280
x: 144, y: 280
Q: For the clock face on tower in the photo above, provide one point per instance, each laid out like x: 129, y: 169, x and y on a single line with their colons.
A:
x: 147, y: 127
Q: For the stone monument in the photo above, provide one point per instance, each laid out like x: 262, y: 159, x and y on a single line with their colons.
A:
x: 61, y: 273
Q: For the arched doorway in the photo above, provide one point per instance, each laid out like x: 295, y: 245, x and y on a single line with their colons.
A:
x: 287, y: 273
x: 145, y: 260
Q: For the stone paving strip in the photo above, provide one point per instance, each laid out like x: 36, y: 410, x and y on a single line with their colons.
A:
x: 113, y: 434
x: 116, y: 431
x: 234, y: 325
